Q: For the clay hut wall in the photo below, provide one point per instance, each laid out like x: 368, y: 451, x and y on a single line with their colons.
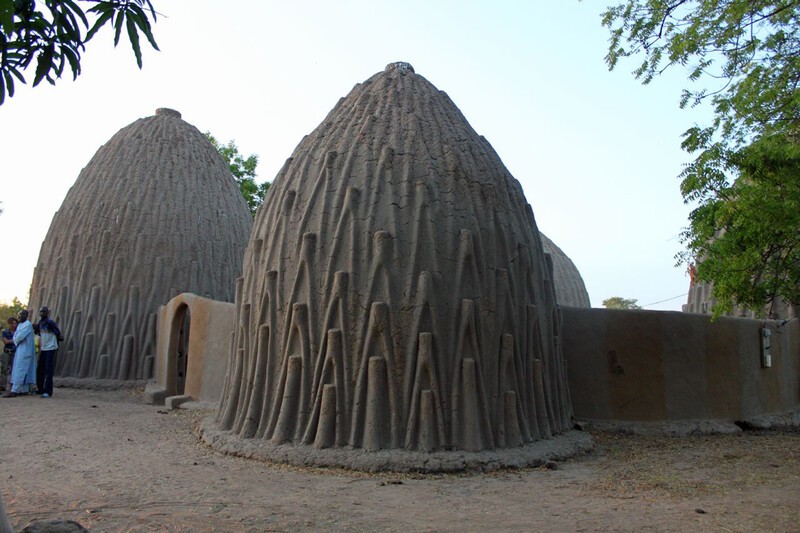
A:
x: 394, y: 295
x: 205, y: 346
x: 156, y: 212
x: 627, y: 365
x: 569, y: 286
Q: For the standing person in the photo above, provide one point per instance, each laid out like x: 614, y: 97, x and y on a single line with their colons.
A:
x: 49, y: 335
x: 32, y: 387
x: 7, y: 357
x: 23, y: 374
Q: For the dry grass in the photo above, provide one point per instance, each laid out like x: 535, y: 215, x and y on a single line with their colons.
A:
x: 693, y: 466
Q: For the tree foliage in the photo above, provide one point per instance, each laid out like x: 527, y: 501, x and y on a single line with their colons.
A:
x: 9, y: 310
x: 743, y: 58
x: 747, y: 236
x: 244, y: 170
x: 54, y: 33
x: 618, y: 302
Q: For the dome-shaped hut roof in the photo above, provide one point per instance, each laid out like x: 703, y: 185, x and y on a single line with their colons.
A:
x: 394, y: 295
x: 570, y: 289
x: 156, y: 212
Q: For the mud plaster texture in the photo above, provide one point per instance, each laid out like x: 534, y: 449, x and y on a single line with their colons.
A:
x: 191, y: 360
x: 664, y: 366
x: 395, y: 295
x: 535, y: 454
x: 788, y: 421
x: 156, y: 212
x: 569, y: 286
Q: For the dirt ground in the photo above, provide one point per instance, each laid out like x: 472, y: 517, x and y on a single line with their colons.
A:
x: 113, y: 463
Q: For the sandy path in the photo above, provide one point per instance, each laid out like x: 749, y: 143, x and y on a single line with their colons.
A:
x: 113, y: 463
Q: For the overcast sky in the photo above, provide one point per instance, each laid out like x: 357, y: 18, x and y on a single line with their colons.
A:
x: 597, y: 153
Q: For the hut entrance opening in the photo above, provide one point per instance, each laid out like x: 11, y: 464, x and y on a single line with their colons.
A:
x: 178, y: 350
x: 182, y: 356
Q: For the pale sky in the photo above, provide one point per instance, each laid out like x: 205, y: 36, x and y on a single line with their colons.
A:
x: 597, y: 153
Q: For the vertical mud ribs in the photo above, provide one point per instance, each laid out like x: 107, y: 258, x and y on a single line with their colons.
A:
x: 155, y: 212
x: 397, y: 268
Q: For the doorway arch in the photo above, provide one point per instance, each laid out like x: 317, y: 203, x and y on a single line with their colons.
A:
x: 192, y: 340
x: 178, y: 355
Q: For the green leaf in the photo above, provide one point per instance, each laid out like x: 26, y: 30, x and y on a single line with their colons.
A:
x: 7, y: 17
x: 58, y: 68
x: 17, y: 74
x: 44, y: 62
x: 119, y: 18
x: 133, y: 35
x: 74, y: 61
x: 73, y: 8
x: 140, y: 18
x: 150, y: 7
x: 99, y: 23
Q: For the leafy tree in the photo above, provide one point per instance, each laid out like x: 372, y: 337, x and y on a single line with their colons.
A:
x: 742, y: 57
x: 749, y: 235
x: 9, y: 310
x: 244, y: 170
x: 618, y: 302
x: 53, y: 34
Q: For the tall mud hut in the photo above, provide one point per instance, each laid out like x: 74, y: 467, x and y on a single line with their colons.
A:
x: 156, y: 212
x: 394, y: 296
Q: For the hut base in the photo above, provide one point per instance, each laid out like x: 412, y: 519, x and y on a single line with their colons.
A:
x: 535, y: 454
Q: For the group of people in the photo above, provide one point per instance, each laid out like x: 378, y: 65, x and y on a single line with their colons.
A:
x: 20, y: 370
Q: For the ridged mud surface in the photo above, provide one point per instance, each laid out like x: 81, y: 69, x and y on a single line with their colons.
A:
x: 155, y: 213
x: 395, y: 293
x: 567, y: 280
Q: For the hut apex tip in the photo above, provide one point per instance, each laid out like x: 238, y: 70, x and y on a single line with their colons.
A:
x: 400, y: 66
x: 168, y: 111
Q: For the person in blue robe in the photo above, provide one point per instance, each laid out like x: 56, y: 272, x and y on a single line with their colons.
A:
x: 23, y: 374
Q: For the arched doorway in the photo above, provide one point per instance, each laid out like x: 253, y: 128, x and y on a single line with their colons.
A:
x: 182, y: 355
x: 178, y: 356
x: 192, y: 347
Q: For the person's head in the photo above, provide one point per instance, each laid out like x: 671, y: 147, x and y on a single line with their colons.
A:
x: 44, y: 312
x: 12, y: 323
x: 23, y: 315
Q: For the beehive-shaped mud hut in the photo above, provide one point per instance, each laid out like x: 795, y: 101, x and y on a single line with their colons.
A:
x: 567, y: 280
x: 394, y: 296
x: 156, y: 212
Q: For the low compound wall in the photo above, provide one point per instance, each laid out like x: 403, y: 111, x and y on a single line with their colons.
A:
x: 211, y: 324
x: 669, y: 366
x: 626, y: 366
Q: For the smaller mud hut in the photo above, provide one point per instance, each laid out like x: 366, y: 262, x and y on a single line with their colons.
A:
x: 567, y: 280
x: 156, y: 212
